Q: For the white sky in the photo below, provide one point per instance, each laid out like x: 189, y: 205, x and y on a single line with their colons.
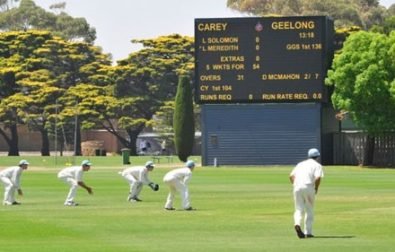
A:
x: 117, y: 22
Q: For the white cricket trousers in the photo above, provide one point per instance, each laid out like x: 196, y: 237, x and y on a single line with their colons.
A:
x: 176, y: 186
x: 304, y: 204
x: 9, y: 190
x: 135, y: 185
x: 73, y: 188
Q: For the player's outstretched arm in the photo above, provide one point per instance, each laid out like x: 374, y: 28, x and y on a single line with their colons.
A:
x: 87, y: 188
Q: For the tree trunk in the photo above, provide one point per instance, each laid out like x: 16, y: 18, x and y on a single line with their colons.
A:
x: 133, y: 134
x: 368, y: 151
x: 130, y: 141
x: 5, y: 136
x: 13, y: 144
x: 45, y: 143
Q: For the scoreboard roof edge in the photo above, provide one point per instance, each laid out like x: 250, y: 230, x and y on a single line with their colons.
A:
x: 280, y: 17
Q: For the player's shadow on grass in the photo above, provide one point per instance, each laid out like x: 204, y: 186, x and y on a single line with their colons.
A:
x: 334, y: 236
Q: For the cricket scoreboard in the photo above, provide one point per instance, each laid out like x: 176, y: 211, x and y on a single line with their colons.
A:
x: 266, y: 59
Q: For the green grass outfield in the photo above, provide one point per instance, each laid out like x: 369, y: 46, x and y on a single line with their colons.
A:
x: 238, y: 209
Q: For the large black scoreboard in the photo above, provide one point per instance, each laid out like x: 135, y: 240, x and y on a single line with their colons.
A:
x: 266, y: 59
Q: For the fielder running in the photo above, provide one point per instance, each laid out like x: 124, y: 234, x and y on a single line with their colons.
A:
x: 137, y: 176
x: 10, y: 177
x: 306, y: 178
x: 73, y: 177
x: 178, y: 180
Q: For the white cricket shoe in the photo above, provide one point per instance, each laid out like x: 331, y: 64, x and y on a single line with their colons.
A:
x: 70, y: 203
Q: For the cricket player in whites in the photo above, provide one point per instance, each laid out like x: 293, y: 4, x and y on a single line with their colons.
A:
x: 178, y: 180
x: 10, y: 177
x: 73, y: 176
x: 306, y: 178
x: 137, y: 176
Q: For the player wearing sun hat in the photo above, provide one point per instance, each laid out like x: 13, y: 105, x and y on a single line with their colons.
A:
x: 137, y: 176
x: 10, y: 177
x: 178, y: 180
x: 306, y: 178
x: 73, y: 176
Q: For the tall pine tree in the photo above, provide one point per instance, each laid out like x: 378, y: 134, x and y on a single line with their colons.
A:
x: 183, y: 122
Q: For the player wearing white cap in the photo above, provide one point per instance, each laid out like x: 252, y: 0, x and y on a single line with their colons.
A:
x: 73, y: 176
x: 306, y: 178
x: 10, y: 177
x: 137, y: 176
x: 178, y: 180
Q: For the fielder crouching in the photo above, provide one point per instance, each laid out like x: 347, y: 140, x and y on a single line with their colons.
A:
x: 178, y: 180
x: 137, y: 176
x: 10, y: 177
x: 73, y: 177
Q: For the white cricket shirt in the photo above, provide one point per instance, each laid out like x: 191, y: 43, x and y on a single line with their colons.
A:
x: 306, y: 172
x: 74, y: 172
x: 138, y: 172
x: 14, y: 174
x: 181, y: 174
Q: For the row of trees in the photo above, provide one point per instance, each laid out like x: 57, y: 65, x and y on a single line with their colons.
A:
x: 54, y: 80
x: 47, y: 82
x: 36, y: 69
